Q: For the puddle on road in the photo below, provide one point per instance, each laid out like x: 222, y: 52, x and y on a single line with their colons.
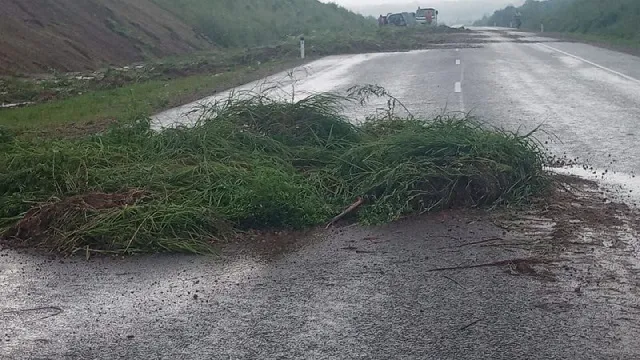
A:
x: 319, y: 76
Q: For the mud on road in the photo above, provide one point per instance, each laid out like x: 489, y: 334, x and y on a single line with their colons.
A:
x: 558, y: 280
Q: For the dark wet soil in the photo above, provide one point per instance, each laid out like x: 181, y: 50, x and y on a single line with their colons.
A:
x: 41, y: 226
x: 575, y: 204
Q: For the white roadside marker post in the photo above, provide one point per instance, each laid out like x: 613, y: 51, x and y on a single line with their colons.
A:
x: 302, y: 47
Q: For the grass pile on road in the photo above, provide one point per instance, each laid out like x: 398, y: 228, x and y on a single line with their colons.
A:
x: 253, y: 163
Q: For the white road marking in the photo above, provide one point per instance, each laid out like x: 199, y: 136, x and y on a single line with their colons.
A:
x: 591, y: 63
x: 457, y: 50
x: 458, y: 62
x: 458, y: 87
x: 462, y: 108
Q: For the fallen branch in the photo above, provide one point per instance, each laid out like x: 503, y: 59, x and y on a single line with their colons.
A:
x: 455, y: 282
x: 349, y: 210
x: 503, y: 226
x: 57, y: 311
x: 474, y: 243
x: 482, y: 241
x: 497, y: 263
x: 508, y: 244
x: 470, y: 325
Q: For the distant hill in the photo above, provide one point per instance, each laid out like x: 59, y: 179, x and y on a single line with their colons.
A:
x: 70, y: 35
x: 619, y: 18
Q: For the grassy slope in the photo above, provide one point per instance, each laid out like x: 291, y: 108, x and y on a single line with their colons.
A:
x: 122, y: 31
x: 67, y: 36
x: 615, y: 19
x: 252, y: 22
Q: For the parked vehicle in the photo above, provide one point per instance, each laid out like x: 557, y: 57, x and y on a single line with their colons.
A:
x: 428, y: 16
x: 401, y: 19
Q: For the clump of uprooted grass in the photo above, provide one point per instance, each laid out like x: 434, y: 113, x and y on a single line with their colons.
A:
x: 252, y: 163
x: 415, y: 166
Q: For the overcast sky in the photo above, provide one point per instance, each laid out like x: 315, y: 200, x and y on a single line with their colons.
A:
x: 359, y: 3
x: 451, y: 11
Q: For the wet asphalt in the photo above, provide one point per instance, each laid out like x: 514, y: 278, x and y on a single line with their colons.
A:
x: 585, y: 99
x: 357, y: 292
x: 354, y: 292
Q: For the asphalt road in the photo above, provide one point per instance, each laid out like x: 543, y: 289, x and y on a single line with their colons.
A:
x: 370, y: 292
x: 587, y: 98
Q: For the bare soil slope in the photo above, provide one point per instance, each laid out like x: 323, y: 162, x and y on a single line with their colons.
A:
x: 69, y: 35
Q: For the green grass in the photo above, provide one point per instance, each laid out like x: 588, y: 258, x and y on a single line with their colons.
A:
x: 249, y: 23
x: 254, y: 164
x: 147, y: 97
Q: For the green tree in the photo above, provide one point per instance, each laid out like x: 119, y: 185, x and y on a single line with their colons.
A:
x: 620, y: 18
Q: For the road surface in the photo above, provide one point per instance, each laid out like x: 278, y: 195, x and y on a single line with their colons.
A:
x: 587, y: 97
x: 371, y: 292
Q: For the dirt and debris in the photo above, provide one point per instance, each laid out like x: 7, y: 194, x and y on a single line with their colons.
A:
x: 575, y: 205
x: 45, y: 221
x: 519, y: 265
x: 594, y: 241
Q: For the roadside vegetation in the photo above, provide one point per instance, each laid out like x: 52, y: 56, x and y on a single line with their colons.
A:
x: 93, y: 110
x: 94, y: 62
x: 245, y: 23
x: 92, y: 100
x: 252, y: 164
x: 615, y: 20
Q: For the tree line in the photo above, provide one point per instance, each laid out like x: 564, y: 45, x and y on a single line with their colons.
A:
x: 619, y: 18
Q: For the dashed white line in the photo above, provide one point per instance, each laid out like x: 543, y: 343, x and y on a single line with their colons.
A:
x: 458, y: 62
x: 591, y: 63
x: 462, y: 107
x: 458, y: 87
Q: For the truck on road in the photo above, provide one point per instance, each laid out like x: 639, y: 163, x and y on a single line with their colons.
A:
x: 428, y: 16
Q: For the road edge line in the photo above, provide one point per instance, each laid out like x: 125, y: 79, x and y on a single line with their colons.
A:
x: 591, y: 63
